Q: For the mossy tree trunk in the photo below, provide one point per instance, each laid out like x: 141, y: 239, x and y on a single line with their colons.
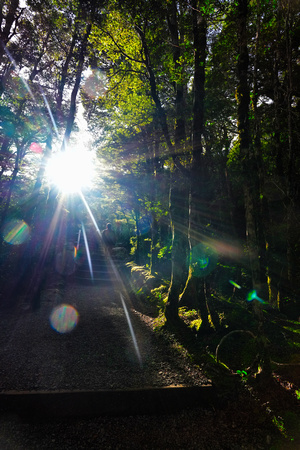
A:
x: 249, y: 163
x: 199, y: 184
x: 178, y: 197
x: 249, y: 167
x: 179, y: 218
x: 293, y: 186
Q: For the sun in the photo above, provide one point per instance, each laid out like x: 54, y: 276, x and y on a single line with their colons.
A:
x: 71, y: 171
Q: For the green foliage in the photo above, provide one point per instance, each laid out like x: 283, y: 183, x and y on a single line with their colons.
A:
x: 130, y: 107
x: 234, y: 155
x: 243, y: 374
x: 188, y: 314
x: 159, y: 296
x: 133, y: 243
x: 157, y: 207
x: 164, y: 251
x: 196, y: 324
x: 279, y: 423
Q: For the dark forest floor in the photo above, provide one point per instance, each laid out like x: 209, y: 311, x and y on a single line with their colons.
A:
x: 247, y: 417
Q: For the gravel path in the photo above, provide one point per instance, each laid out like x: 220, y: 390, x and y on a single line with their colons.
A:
x: 112, y: 347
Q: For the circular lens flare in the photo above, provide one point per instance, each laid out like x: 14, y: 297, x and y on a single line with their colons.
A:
x: 64, y: 318
x: 94, y: 85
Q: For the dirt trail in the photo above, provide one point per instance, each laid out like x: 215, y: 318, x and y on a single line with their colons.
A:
x: 109, y: 348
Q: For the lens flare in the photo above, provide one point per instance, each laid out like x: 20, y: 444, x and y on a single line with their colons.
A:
x: 135, y: 343
x: 35, y: 148
x: 94, y: 85
x: 87, y: 251
x: 16, y: 232
x: 203, y: 263
x: 203, y: 260
x: 252, y: 295
x: 64, y: 318
x: 235, y: 284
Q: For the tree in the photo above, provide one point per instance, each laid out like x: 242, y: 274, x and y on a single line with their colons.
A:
x: 9, y: 16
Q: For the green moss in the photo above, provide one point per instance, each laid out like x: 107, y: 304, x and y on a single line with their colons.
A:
x: 279, y: 424
x: 196, y: 324
x: 187, y: 314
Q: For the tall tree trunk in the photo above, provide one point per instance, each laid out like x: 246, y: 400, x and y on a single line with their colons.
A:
x: 161, y: 115
x: 64, y: 74
x: 11, y: 186
x: 254, y: 222
x: 262, y: 214
x: 178, y: 206
x: 72, y: 110
x: 196, y: 284
x: 292, y: 184
x: 250, y: 181
x: 179, y: 87
x: 31, y: 212
x: 6, y: 142
x: 177, y: 199
x: 276, y: 267
x: 154, y: 198
x: 9, y: 19
x: 137, y: 255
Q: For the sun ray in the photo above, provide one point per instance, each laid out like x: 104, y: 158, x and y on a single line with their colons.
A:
x: 136, y: 347
x: 90, y: 213
x: 50, y: 112
x: 87, y: 251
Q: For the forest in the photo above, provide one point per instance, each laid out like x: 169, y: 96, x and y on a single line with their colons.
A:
x: 178, y: 122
